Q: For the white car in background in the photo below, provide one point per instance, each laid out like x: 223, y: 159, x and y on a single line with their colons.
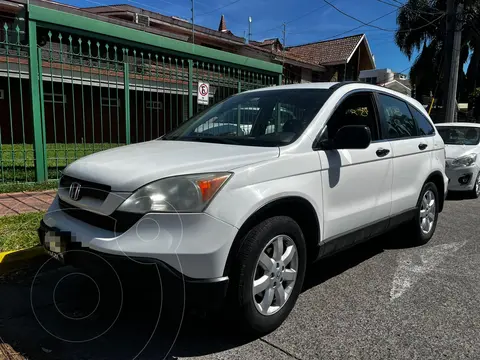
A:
x: 462, y: 146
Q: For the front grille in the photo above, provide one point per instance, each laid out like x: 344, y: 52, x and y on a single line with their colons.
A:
x: 119, y: 221
x: 88, y: 189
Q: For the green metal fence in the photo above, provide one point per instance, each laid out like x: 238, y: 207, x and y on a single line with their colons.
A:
x: 66, y: 93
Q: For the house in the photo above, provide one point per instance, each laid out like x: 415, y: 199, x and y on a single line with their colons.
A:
x: 172, y: 26
x: 388, y: 79
x: 331, y: 60
x: 295, y: 69
x: 302, y: 63
x: 343, y: 58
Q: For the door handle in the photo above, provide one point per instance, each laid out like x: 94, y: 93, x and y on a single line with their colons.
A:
x: 422, y: 146
x: 382, y: 152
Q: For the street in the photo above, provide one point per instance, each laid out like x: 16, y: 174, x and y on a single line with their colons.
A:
x: 376, y: 301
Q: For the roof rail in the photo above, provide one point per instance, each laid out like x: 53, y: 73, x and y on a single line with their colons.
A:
x: 343, y: 83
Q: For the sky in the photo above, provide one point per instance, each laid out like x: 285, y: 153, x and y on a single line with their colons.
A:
x: 306, y: 21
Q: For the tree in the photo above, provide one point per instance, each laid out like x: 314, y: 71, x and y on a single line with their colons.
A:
x: 422, y: 28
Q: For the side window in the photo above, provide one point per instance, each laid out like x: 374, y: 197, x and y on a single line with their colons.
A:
x: 399, y: 120
x: 357, y: 109
x: 424, y: 125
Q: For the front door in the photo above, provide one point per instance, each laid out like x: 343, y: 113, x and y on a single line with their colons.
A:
x: 357, y: 184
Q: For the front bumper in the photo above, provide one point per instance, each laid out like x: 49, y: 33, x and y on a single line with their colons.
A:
x: 195, y: 245
x: 205, y: 293
x: 462, y: 178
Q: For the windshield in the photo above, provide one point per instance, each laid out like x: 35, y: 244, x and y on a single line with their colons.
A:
x: 261, y: 118
x: 458, y: 135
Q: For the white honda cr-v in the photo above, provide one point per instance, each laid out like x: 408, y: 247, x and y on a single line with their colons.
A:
x: 238, y: 214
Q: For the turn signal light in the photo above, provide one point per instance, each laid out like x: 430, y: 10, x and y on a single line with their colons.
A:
x: 210, y: 187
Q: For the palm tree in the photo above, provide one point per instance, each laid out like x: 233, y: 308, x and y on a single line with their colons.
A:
x: 422, y: 28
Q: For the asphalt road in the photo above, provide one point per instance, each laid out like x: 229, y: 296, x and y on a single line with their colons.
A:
x: 379, y: 300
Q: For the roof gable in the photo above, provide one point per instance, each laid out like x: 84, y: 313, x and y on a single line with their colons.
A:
x: 268, y: 43
x: 336, y: 51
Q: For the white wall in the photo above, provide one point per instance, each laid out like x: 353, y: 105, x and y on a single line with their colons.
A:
x: 382, y: 75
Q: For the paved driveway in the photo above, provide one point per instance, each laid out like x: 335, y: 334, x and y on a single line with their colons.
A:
x: 377, y: 301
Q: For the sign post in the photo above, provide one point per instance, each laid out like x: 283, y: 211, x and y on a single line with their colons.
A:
x: 203, y: 93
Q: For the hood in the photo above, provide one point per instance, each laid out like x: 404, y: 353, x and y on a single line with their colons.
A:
x: 127, y: 168
x: 456, y: 151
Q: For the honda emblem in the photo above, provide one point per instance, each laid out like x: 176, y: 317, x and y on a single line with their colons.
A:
x: 74, y: 191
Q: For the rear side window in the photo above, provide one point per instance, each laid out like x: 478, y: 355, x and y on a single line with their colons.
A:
x: 424, y: 125
x: 399, y: 120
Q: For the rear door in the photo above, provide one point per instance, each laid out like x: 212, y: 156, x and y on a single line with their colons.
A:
x: 357, y: 184
x: 411, y: 152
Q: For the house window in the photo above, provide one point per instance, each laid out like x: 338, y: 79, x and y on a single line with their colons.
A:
x: 155, y: 105
x: 110, y: 102
x: 369, y: 80
x: 54, y: 98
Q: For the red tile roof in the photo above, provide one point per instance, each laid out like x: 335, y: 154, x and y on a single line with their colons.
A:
x: 106, y: 10
x: 325, y: 52
x: 266, y: 42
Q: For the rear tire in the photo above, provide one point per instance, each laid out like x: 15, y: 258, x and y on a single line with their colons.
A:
x: 476, y: 188
x: 423, y: 226
x: 268, y: 275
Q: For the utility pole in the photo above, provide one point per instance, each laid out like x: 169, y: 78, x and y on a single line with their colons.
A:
x: 284, y: 40
x: 454, y: 38
x: 193, y: 22
x: 249, y: 28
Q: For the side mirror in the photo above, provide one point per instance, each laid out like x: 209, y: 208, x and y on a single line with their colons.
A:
x: 352, y: 137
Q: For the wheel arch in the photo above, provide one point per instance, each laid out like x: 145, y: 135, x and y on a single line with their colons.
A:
x: 437, y: 178
x: 298, y: 208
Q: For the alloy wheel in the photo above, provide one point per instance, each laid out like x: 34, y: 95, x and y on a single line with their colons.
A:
x: 275, y: 275
x: 427, y: 211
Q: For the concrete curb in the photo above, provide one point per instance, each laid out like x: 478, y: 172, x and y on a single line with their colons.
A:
x: 12, y: 259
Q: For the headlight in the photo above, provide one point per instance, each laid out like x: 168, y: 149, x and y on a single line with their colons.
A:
x: 186, y: 193
x: 465, y: 160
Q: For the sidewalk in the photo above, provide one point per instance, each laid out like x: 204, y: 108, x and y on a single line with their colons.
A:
x: 24, y: 202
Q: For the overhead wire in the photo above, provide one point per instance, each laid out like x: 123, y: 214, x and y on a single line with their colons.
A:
x: 406, y: 6
x: 370, y: 22
x: 355, y: 28
x: 219, y: 8
x: 295, y: 19
x: 378, y: 27
x: 388, y: 3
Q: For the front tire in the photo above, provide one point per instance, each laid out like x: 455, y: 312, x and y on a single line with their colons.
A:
x: 476, y: 188
x: 425, y: 222
x: 268, y: 274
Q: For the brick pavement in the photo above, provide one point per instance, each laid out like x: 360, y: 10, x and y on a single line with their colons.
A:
x: 24, y: 202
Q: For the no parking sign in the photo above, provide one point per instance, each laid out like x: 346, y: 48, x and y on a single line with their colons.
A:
x: 203, y: 91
